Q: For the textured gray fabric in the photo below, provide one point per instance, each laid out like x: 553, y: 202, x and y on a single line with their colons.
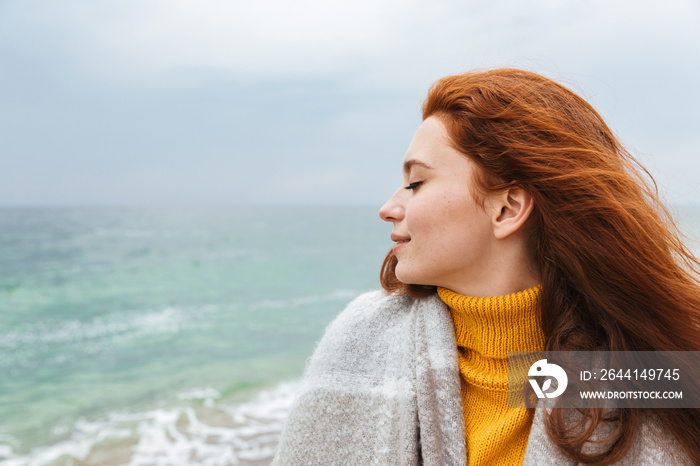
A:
x: 652, y: 446
x: 375, y: 385
x: 383, y: 388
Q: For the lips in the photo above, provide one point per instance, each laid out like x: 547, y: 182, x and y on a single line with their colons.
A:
x: 400, y: 241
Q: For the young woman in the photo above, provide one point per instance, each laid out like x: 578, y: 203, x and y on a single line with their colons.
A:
x: 521, y: 224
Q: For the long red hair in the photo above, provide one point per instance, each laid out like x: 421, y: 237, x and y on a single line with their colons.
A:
x: 615, y: 272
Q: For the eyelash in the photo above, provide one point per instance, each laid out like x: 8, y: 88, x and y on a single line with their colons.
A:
x: 414, y: 185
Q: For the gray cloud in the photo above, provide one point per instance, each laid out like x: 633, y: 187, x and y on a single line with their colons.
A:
x: 178, y: 101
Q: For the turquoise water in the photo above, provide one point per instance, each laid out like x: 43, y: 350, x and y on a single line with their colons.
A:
x: 111, y: 309
x: 129, y: 335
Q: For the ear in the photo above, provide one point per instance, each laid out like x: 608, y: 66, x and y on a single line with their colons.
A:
x: 511, y: 209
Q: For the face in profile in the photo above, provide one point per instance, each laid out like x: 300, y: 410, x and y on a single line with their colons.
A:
x: 443, y: 236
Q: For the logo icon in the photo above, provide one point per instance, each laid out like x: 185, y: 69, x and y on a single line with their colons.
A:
x: 543, y: 368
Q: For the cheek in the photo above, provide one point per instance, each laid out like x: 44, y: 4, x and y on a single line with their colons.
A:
x: 435, y: 214
x: 422, y: 221
x: 449, y: 227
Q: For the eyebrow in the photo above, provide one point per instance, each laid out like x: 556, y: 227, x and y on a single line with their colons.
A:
x: 409, y: 163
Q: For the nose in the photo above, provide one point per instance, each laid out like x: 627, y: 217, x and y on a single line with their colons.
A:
x: 392, y: 211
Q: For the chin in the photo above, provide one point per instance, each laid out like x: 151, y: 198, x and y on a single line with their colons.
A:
x: 410, y: 278
x: 401, y: 276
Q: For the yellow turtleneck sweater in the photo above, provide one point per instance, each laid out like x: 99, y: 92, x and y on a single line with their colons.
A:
x: 486, y: 329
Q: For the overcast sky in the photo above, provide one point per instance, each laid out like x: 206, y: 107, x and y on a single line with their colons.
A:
x: 309, y: 101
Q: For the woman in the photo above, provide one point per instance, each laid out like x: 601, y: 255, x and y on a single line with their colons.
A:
x: 521, y: 225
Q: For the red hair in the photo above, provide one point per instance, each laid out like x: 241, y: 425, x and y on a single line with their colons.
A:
x: 614, y: 270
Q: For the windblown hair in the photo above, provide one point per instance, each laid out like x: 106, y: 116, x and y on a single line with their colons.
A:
x: 615, y: 272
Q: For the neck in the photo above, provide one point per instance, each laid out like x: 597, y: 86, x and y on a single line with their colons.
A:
x: 504, y: 270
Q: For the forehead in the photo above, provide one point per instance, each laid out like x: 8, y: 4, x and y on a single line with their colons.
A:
x: 430, y: 134
x: 431, y: 147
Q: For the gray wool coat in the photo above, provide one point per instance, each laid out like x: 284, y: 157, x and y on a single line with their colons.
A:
x: 382, y: 387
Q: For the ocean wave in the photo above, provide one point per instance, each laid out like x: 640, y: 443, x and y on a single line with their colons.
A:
x: 20, y: 349
x: 134, y: 323
x: 220, y: 435
x: 337, y: 295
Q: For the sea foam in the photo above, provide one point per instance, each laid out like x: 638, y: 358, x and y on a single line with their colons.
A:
x: 204, y: 431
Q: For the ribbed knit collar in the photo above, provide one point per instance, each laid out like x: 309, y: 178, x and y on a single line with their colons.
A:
x: 494, y: 325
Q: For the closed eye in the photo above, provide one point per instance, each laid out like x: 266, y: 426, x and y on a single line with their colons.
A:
x: 414, y: 185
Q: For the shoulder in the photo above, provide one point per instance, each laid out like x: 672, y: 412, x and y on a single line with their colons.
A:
x: 372, y: 326
x: 381, y: 308
x: 376, y: 302
x: 371, y: 309
x: 375, y: 313
x: 373, y: 300
x: 383, y: 304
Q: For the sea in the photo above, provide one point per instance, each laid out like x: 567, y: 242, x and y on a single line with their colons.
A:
x: 171, y: 335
